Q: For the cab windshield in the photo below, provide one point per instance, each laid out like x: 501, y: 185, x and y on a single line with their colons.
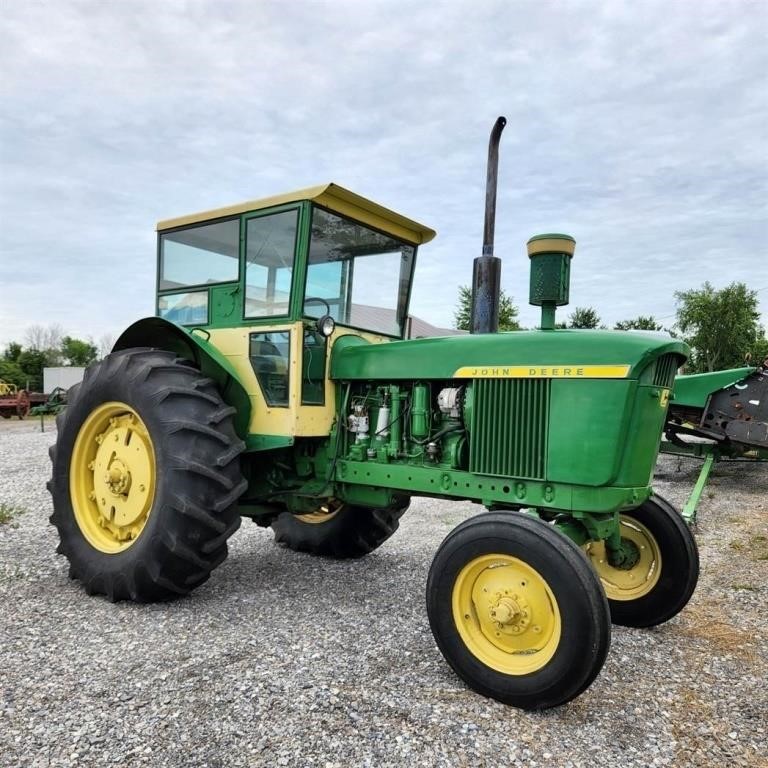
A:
x: 359, y: 275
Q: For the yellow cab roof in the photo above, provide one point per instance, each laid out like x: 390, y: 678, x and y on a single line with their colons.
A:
x: 330, y: 196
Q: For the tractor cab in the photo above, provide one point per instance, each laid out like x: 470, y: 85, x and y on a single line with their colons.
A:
x: 273, y: 283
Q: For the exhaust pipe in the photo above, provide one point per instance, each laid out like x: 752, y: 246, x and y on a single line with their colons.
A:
x: 486, y: 271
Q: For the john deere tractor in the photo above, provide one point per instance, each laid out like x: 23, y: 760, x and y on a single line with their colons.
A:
x: 275, y: 383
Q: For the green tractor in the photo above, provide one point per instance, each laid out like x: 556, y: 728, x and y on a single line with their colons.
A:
x: 275, y: 383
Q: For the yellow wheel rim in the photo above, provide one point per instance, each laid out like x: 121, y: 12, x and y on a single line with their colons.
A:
x: 506, y: 614
x: 112, y: 477
x: 323, y: 513
x: 629, y: 583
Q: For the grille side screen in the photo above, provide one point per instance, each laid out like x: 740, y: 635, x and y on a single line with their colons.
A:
x: 510, y: 424
x: 666, y: 368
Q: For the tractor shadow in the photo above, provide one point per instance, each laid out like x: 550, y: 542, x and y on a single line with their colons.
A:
x: 258, y: 569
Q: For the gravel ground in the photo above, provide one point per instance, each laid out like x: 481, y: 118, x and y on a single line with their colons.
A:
x: 282, y: 659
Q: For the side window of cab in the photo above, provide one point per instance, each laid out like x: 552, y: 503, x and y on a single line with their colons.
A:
x: 270, y: 254
x: 196, y: 257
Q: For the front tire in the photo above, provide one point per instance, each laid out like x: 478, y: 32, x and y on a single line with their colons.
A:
x: 146, y: 477
x: 517, y: 611
x: 338, y: 530
x: 661, y: 582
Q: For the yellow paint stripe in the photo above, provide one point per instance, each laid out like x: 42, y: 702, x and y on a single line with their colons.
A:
x: 542, y: 372
x: 551, y: 245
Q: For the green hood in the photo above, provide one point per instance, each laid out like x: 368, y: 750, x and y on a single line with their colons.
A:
x: 559, y: 353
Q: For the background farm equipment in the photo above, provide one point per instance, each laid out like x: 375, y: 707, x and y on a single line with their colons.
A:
x: 718, y: 416
x: 53, y: 404
x: 13, y: 401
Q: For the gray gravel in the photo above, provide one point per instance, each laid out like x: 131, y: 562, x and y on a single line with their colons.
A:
x: 282, y: 659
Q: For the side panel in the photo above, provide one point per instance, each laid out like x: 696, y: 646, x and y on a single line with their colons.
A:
x: 587, y: 429
x: 641, y: 447
x: 265, y: 420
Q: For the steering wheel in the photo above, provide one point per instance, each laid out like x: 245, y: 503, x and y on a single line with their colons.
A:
x: 319, y: 301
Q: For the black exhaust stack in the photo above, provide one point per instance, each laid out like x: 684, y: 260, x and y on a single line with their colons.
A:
x: 486, y: 273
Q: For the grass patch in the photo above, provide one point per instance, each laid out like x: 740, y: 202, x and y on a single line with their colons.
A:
x: 7, y: 513
x: 755, y: 546
x: 721, y: 637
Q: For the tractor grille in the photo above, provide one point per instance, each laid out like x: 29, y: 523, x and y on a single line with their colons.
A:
x: 666, y: 368
x: 509, y: 428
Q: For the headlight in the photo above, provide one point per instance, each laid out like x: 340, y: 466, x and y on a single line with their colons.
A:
x: 326, y: 325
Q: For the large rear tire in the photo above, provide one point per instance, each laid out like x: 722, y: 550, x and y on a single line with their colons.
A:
x: 517, y: 611
x: 661, y: 582
x: 337, y: 530
x: 146, y: 476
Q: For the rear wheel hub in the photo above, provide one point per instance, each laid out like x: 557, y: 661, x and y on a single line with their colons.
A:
x: 112, y: 477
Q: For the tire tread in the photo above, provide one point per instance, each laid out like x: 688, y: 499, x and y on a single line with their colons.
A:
x: 535, y: 538
x: 671, y: 595
x: 201, y: 453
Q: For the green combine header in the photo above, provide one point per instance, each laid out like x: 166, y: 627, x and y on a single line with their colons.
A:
x: 718, y: 416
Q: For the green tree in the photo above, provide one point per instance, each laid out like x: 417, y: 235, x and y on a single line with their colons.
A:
x: 721, y: 327
x: 759, y: 353
x: 78, y: 352
x: 11, y: 373
x: 12, y: 352
x: 32, y: 362
x: 507, y: 311
x: 640, y: 323
x: 583, y: 317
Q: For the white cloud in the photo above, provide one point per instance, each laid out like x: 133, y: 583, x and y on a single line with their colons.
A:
x: 638, y: 128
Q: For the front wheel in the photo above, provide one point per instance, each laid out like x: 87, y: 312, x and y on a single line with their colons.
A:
x: 517, y: 611
x: 664, y: 574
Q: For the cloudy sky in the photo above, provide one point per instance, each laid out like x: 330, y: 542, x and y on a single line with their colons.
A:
x: 640, y: 128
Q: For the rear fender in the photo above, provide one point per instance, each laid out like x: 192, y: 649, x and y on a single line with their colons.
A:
x: 192, y: 344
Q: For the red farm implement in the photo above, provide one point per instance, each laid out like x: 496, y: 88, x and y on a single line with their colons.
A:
x: 13, y: 401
